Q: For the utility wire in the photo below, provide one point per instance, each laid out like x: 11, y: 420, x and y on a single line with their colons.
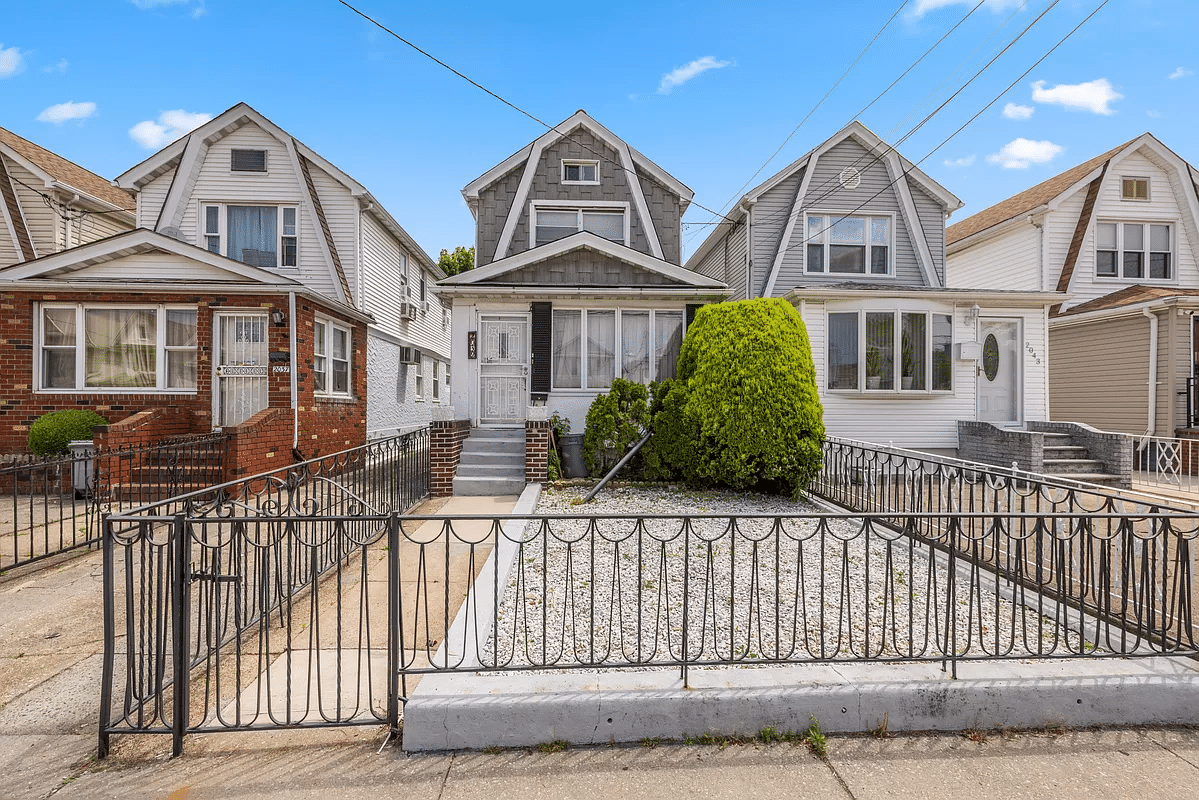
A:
x: 632, y: 172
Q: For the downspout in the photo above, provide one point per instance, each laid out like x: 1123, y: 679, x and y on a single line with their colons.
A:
x: 1152, y: 421
x: 293, y: 368
x: 749, y: 249
x: 1040, y: 251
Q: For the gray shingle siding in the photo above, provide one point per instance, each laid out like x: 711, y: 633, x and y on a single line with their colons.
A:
x: 494, y: 202
x: 664, y: 212
x: 585, y: 268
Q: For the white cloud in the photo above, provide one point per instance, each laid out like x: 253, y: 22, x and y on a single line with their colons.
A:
x: 1091, y: 96
x: 1020, y: 153
x: 1154, y: 113
x: 170, y: 126
x: 919, y: 8
x: 964, y: 161
x: 1017, y: 111
x: 67, y: 111
x: 11, y: 62
x: 685, y: 73
x: 198, y: 9
x: 1181, y: 72
x: 61, y: 66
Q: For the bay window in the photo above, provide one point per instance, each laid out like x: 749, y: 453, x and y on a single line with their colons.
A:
x: 890, y: 351
x: 553, y: 223
x: 100, y: 347
x: 261, y: 236
x: 331, y: 344
x: 1133, y: 250
x: 849, y: 245
x: 637, y: 345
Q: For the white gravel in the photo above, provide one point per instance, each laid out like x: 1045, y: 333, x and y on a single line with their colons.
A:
x: 788, y: 588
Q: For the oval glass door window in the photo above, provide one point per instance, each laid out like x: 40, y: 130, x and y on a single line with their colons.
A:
x: 991, y: 357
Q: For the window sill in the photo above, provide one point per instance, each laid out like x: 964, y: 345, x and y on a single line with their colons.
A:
x: 1154, y: 281
x: 100, y: 390
x: 892, y: 394
x: 851, y: 275
x: 334, y: 398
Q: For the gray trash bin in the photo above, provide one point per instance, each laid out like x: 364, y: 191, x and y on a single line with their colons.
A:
x: 572, y: 456
x: 82, y: 476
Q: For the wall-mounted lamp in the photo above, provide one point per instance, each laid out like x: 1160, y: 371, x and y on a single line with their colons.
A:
x: 278, y: 317
x: 972, y: 314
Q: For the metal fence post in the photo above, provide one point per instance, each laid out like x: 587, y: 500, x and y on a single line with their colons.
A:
x: 180, y: 622
x: 393, y: 622
x: 109, y: 638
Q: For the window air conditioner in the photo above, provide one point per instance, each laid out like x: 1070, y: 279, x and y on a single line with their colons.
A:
x: 409, y: 355
x: 407, y: 310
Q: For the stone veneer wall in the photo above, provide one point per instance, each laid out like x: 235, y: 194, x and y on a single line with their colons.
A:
x: 1113, y: 449
x: 991, y: 444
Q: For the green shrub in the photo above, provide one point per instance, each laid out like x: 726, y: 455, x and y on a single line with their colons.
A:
x: 669, y: 455
x: 615, y: 422
x: 49, y: 434
x: 747, y: 414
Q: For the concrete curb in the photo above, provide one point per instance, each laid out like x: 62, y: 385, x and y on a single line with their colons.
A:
x: 476, y: 710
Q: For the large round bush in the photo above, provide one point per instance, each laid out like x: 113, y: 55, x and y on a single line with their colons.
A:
x: 49, y: 434
x: 744, y: 411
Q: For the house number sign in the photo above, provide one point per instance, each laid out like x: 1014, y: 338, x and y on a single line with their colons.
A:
x: 472, y: 344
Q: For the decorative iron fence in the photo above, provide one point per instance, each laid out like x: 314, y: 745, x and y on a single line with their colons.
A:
x: 50, y: 506
x: 257, y: 608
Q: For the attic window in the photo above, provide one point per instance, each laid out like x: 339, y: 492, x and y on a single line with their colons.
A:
x: 580, y: 172
x: 1134, y: 188
x: 248, y: 160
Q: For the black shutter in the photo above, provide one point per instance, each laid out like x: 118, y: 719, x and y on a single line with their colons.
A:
x: 691, y: 309
x: 542, y: 339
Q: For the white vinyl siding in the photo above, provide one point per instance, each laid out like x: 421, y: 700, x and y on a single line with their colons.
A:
x: 42, y: 221
x: 1007, y: 261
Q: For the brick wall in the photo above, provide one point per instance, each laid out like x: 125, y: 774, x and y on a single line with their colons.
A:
x: 261, y: 443
x: 144, y: 428
x: 445, y: 448
x: 326, y: 425
x: 990, y: 444
x: 1113, y: 449
x: 537, y: 451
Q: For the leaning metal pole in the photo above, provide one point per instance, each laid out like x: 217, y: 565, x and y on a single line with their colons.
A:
x: 619, y: 466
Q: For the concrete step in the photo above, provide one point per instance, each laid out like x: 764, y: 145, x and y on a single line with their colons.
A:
x: 515, y: 458
x: 1091, y: 477
x: 488, y: 486
x: 1065, y: 451
x: 1067, y: 466
x: 491, y: 470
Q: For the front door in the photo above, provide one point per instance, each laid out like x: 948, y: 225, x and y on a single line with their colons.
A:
x: 503, y: 370
x: 241, y: 367
x: 999, y: 391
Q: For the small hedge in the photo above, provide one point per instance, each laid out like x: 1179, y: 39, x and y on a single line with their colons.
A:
x: 49, y: 434
x: 615, y: 422
x: 744, y: 411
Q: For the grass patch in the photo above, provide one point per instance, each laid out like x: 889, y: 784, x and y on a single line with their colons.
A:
x: 553, y: 747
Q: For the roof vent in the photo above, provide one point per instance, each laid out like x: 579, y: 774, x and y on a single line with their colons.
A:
x: 850, y: 178
x: 248, y: 160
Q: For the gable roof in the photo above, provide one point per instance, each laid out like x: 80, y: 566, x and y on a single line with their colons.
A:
x: 54, y: 169
x: 865, y: 137
x: 583, y: 240
x: 172, y: 156
x: 135, y: 242
x: 1129, y: 296
x: 1019, y: 204
x: 560, y: 131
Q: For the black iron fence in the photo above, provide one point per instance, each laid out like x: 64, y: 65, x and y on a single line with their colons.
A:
x: 53, y: 505
x: 280, y: 603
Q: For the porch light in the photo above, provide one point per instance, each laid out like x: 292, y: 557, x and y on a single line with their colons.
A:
x: 972, y: 314
x: 277, y: 316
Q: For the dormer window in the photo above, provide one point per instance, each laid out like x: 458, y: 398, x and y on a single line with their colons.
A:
x: 261, y: 236
x: 554, y: 223
x: 1134, y: 188
x: 248, y: 160
x: 848, y: 245
x: 586, y: 172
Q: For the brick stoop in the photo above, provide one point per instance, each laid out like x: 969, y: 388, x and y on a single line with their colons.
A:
x: 492, y: 462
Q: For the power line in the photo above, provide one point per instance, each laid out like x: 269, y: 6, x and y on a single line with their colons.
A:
x: 635, y: 175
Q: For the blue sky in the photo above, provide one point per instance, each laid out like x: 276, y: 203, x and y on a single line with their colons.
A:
x: 707, y: 90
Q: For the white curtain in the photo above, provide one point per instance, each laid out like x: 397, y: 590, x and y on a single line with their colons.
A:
x: 121, y: 345
x: 601, y: 349
x: 58, y: 348
x: 181, y: 349
x: 253, y: 235
x: 668, y: 338
x: 634, y: 334
x: 565, y: 357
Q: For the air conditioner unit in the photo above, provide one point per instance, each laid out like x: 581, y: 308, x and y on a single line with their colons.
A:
x: 409, y: 355
x: 407, y: 310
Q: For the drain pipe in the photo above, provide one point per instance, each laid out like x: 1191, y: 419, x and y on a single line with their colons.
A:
x: 1152, y: 421
x: 616, y: 469
x: 295, y: 389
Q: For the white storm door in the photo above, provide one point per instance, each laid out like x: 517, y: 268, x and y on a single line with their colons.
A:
x: 503, y: 370
x: 999, y: 380
x: 241, y: 367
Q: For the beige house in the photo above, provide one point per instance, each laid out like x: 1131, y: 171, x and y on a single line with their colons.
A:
x: 1116, y: 233
x: 49, y: 204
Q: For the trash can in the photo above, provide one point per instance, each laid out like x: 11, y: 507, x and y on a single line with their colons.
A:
x: 82, y: 466
x: 572, y: 456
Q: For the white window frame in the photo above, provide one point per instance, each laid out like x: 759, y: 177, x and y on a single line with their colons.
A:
x: 1145, y: 224
x: 160, y: 354
x: 330, y: 325
x: 577, y: 162
x: 583, y: 388
x: 1148, y: 188
x: 420, y: 379
x: 896, y: 388
x: 205, y: 235
x: 436, y: 384
x: 573, y: 205
x: 831, y: 217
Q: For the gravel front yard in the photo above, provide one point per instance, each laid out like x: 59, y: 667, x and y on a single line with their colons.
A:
x: 788, y: 588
